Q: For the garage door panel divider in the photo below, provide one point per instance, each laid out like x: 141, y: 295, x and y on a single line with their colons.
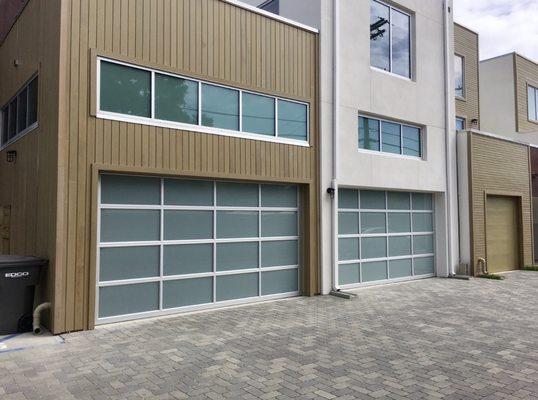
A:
x: 274, y: 264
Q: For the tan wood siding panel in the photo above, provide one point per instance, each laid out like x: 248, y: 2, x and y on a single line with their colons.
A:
x: 526, y: 74
x: 207, y: 39
x: 498, y: 167
x: 466, y: 45
x: 29, y: 184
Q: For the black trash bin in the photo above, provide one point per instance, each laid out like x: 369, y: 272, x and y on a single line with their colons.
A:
x: 18, y: 278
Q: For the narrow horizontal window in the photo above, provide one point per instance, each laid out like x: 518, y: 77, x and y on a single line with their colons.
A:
x: 151, y: 97
x: 176, y: 99
x: 533, y: 103
x: 259, y: 114
x: 20, y: 114
x: 389, y: 137
x: 292, y: 120
x: 368, y: 134
x: 125, y: 90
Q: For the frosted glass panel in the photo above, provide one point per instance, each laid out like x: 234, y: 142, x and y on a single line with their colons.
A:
x: 231, y: 194
x: 123, y: 189
x: 274, y: 282
x: 348, y: 274
x: 258, y: 114
x: 399, y: 201
x: 188, y: 259
x: 279, y: 224
x: 279, y: 196
x: 422, y: 222
x: 128, y: 299
x: 372, y: 200
x: 423, y: 244
x: 118, y: 263
x: 188, y: 225
x: 348, y: 198
x: 400, y: 268
x: 399, y: 246
x: 399, y: 222
x: 422, y: 201
x: 232, y: 256
x: 375, y: 247
x: 237, y: 224
x: 125, y: 90
x: 373, y: 223
x: 130, y: 225
x: 187, y: 292
x: 348, y: 249
x: 348, y: 223
x: 374, y: 271
x: 232, y: 287
x: 424, y: 266
x: 185, y: 192
x: 279, y: 254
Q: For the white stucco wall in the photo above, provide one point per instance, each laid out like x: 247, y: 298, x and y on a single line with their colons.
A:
x: 365, y: 90
x: 497, y: 95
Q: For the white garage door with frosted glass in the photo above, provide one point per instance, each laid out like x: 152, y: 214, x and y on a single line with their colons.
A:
x: 384, y: 236
x: 169, y: 245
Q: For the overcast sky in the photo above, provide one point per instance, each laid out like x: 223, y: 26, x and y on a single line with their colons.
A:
x: 504, y: 25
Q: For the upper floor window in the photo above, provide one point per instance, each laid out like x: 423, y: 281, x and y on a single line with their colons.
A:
x: 390, y: 39
x: 271, y: 6
x: 389, y: 137
x: 19, y: 115
x: 533, y: 103
x: 459, y: 76
x: 460, y: 124
x: 153, y: 97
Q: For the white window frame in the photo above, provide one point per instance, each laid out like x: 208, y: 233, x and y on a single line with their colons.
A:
x: 387, y: 235
x: 411, y: 50
x: 529, y: 88
x: 152, y: 121
x: 6, y: 107
x: 161, y: 243
x: 380, y: 151
x: 464, y: 92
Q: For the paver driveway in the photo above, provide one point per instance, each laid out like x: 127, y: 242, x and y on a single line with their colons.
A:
x: 434, y: 338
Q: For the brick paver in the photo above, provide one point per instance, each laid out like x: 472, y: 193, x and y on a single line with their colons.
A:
x: 431, y: 339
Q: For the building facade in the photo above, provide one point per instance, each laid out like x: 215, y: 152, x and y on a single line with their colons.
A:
x: 387, y: 128
x: 466, y: 79
x: 172, y: 164
x: 508, y: 96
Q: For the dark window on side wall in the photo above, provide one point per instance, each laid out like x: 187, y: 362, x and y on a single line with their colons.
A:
x: 271, y: 6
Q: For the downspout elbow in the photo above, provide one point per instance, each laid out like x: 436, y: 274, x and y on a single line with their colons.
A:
x: 36, y: 325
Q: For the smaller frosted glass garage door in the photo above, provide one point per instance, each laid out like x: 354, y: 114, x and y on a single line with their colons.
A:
x: 168, y: 245
x: 384, y: 236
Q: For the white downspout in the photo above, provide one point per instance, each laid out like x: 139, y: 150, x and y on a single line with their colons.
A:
x: 336, y: 127
x: 448, y: 152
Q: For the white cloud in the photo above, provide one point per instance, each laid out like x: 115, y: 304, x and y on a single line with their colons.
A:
x: 504, y: 25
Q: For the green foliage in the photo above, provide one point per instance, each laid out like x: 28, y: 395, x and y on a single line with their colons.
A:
x: 531, y: 268
x: 492, y: 276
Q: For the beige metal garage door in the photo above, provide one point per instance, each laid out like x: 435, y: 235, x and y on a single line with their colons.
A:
x: 502, y: 234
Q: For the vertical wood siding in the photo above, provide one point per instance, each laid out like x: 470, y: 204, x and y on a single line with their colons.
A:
x: 499, y: 167
x: 28, y: 186
x: 526, y: 73
x: 466, y: 45
x: 209, y: 39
